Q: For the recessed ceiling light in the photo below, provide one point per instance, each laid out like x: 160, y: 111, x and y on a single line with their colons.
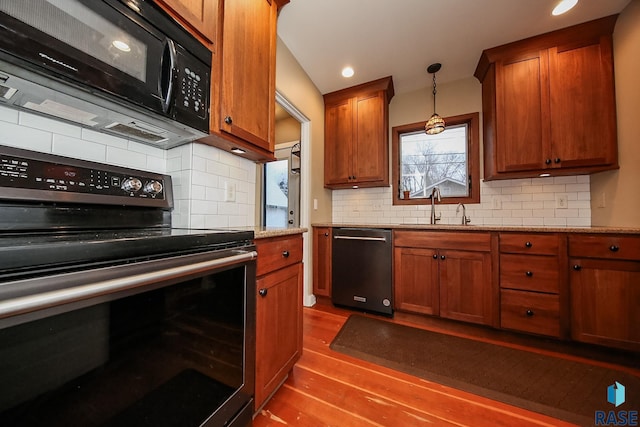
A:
x: 347, y: 72
x: 563, y: 6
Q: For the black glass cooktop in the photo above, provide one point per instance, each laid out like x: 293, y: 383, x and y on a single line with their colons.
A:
x: 28, y: 251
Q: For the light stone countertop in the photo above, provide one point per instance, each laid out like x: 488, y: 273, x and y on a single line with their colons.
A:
x: 523, y: 229
x: 266, y: 232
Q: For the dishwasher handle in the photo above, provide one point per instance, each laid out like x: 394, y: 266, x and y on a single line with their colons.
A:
x: 371, y: 239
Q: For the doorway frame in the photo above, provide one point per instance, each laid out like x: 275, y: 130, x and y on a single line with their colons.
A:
x: 309, y: 298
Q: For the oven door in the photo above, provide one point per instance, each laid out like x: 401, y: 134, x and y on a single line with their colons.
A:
x: 167, y: 342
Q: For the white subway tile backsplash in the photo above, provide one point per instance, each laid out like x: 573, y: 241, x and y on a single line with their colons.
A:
x: 49, y: 125
x: 14, y: 135
x: 125, y: 158
x: 523, y: 202
x: 198, y: 171
x: 75, y: 147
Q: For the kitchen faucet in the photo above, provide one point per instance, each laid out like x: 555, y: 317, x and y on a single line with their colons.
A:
x: 435, y: 192
x: 465, y: 219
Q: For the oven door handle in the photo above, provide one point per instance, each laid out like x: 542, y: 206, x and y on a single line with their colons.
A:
x: 31, y: 303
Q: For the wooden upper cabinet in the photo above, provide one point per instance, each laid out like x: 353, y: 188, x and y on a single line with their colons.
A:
x: 357, y: 135
x: 549, y: 103
x: 199, y: 15
x: 243, y: 84
x: 247, y: 77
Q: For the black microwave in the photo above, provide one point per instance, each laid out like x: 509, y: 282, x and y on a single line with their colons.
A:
x: 118, y: 66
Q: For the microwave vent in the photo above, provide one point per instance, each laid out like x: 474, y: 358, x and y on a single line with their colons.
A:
x: 134, y: 130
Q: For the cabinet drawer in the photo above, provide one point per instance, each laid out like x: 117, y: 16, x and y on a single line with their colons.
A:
x: 530, y: 312
x: 530, y: 273
x: 443, y: 240
x: 278, y: 252
x: 528, y: 243
x: 608, y: 247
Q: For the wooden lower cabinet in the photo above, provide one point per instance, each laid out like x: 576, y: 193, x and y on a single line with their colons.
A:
x: 533, y: 283
x: 605, y: 290
x: 278, y: 312
x: 416, y: 281
x: 465, y: 286
x: 444, y: 274
x: 322, y: 261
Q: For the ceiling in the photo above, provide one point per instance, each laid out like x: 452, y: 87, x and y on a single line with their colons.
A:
x: 401, y: 38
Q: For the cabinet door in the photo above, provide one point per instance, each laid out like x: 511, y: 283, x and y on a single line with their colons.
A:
x: 583, y: 113
x: 338, y: 136
x: 201, y: 15
x: 605, y: 301
x: 465, y: 286
x: 522, y: 110
x: 322, y: 261
x: 278, y: 328
x: 247, y: 87
x: 416, y: 280
x: 370, y: 154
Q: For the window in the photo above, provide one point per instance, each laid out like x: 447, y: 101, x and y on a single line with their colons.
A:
x: 449, y: 160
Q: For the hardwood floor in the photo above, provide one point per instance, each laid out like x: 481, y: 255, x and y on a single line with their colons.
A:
x: 327, y: 388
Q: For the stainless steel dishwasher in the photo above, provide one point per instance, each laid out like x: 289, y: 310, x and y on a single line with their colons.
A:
x: 361, y: 269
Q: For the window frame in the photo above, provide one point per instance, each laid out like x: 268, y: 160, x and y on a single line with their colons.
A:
x: 472, y: 120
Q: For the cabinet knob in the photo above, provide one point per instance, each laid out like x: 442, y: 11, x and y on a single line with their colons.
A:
x: 442, y: 257
x: 614, y: 248
x: 548, y: 161
x: 528, y: 244
x: 557, y: 160
x: 529, y: 273
x: 529, y: 313
x: 435, y: 256
x: 263, y: 292
x: 285, y: 254
x: 577, y: 267
x: 326, y: 234
x: 228, y: 120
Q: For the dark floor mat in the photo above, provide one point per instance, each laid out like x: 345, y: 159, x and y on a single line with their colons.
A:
x: 564, y: 389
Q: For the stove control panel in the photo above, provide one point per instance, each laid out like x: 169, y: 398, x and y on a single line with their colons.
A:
x: 38, y: 176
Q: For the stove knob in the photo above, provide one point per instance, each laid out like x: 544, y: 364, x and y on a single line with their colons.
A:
x: 153, y: 187
x: 131, y: 184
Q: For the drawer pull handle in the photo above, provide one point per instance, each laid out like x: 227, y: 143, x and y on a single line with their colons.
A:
x: 614, y: 248
x: 529, y: 313
x: 529, y: 273
x: 263, y: 292
x: 577, y: 267
x: 528, y: 244
x: 285, y: 254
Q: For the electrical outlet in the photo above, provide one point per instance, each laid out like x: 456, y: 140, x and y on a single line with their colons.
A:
x: 562, y: 201
x: 229, y: 192
x: 496, y: 203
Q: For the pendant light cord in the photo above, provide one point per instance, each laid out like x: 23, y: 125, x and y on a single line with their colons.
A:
x: 434, y: 93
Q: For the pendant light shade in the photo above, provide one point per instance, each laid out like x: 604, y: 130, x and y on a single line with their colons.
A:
x: 435, y: 124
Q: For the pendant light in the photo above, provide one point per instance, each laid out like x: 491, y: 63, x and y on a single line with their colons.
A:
x: 435, y: 124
